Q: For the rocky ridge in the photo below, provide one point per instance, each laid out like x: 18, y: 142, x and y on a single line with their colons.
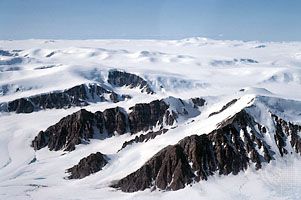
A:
x: 80, y: 95
x: 144, y: 137
x: 236, y: 144
x: 121, y: 78
x: 83, y: 125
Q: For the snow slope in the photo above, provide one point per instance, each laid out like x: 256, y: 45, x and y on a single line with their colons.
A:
x: 220, y: 71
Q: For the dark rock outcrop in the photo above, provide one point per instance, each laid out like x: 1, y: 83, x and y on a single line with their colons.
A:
x: 21, y: 105
x: 121, y: 78
x: 144, y: 137
x: 170, y: 168
x: 224, y: 107
x: 233, y: 62
x: 5, y: 53
x: 143, y: 116
x: 88, y: 165
x: 69, y: 131
x: 80, y: 95
x: 115, y: 120
x: 41, y: 140
x: 81, y: 126
x: 246, y: 60
x: 50, y: 54
x: 198, y: 102
x: 287, y: 131
x: 237, y: 143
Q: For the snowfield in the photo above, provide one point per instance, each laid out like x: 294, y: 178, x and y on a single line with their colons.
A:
x: 263, y: 76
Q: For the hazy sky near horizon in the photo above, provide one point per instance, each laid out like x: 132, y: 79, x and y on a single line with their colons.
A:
x: 270, y: 20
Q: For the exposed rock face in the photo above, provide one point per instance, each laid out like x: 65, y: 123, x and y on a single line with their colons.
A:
x: 79, y: 127
x: 41, y: 140
x: 170, y: 169
x: 83, y: 125
x: 88, y: 165
x: 146, y: 115
x: 224, y: 107
x: 79, y: 95
x: 200, y: 152
x: 144, y: 137
x: 198, y: 102
x: 286, y: 131
x: 21, y: 106
x: 237, y: 139
x: 49, y: 55
x: 120, y: 78
x: 115, y: 120
x: 69, y: 131
x: 237, y: 143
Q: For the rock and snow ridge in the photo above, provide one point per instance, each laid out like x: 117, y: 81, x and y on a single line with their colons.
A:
x: 83, y: 125
x: 237, y: 143
x: 80, y: 95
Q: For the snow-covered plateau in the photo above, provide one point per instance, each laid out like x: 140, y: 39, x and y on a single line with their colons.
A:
x: 171, y: 119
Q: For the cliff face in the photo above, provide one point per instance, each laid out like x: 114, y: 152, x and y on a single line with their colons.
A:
x: 69, y: 131
x: 121, y: 78
x: 170, y: 168
x: 81, y: 126
x: 236, y: 144
x: 145, y: 115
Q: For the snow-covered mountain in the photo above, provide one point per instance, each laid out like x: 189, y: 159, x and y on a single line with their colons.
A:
x: 150, y: 119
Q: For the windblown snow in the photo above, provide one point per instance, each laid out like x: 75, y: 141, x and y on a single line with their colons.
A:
x: 263, y: 76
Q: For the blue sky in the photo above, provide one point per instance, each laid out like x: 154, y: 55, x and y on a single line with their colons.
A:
x: 276, y: 20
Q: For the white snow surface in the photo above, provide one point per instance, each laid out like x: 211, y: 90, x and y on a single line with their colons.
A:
x: 219, y: 71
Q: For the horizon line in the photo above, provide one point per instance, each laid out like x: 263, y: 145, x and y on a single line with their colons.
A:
x: 163, y: 38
